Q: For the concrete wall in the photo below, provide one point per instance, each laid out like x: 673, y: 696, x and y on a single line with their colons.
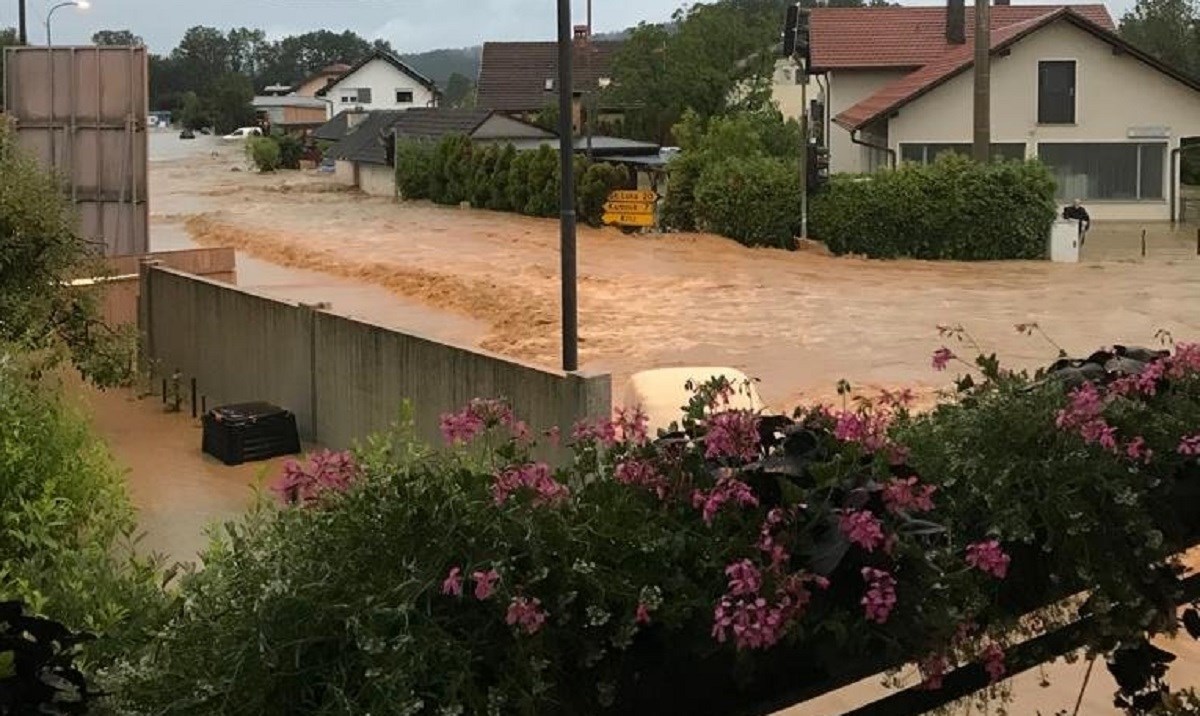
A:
x: 383, y: 79
x: 119, y: 296
x: 1146, y: 98
x: 344, y: 379
x: 846, y: 89
x: 343, y: 172
x: 377, y: 180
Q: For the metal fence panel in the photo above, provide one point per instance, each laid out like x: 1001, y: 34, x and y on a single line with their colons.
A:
x: 82, y: 112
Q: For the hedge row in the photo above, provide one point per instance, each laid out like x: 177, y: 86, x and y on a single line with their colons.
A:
x: 953, y: 208
x: 500, y: 178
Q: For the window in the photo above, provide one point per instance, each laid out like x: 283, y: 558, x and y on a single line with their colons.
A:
x: 926, y: 153
x: 1130, y: 171
x: 1056, y: 92
x: 404, y: 96
x: 356, y: 96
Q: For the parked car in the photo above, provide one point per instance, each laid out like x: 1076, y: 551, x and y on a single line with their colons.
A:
x: 242, y: 134
x: 187, y: 134
x: 662, y: 393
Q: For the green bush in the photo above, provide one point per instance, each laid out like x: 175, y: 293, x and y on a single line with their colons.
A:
x: 497, y: 199
x: 291, y: 150
x: 754, y: 201
x: 414, y: 166
x: 482, y: 173
x: 951, y: 209
x: 543, y: 179
x: 679, y: 205
x: 264, y: 152
x: 596, y: 182
x: 518, y: 189
x: 451, y: 171
x: 66, y: 523
x: 698, y: 575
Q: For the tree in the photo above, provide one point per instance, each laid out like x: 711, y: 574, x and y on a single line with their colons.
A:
x: 117, y: 38
x: 1166, y: 29
x: 202, y: 54
x: 460, y: 91
x: 246, y: 50
x: 228, y: 102
x: 192, y: 114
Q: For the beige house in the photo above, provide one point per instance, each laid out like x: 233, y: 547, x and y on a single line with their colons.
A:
x: 788, y: 88
x: 1105, y: 117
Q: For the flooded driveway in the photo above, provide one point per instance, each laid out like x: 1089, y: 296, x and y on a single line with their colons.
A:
x: 798, y: 321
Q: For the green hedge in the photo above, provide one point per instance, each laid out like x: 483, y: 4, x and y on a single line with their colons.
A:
x: 953, y: 208
x: 500, y: 178
x: 755, y: 201
x: 264, y: 152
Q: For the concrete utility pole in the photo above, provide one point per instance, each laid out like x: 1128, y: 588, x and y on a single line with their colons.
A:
x: 22, y: 27
x: 981, y: 149
x: 566, y: 150
x: 803, y: 69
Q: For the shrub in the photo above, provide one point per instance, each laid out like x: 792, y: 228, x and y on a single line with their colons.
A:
x: 543, y: 177
x: 451, y: 171
x: 264, y: 152
x: 596, y: 182
x: 755, y: 201
x: 482, y: 173
x: 699, y: 573
x: 518, y: 189
x: 679, y: 205
x: 498, y: 185
x: 291, y: 150
x: 65, y: 546
x: 414, y: 165
x: 951, y: 209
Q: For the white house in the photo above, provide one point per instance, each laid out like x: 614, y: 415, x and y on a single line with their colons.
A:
x: 1106, y: 117
x: 380, y: 81
x: 788, y: 87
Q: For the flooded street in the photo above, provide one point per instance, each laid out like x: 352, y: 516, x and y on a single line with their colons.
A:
x: 798, y: 321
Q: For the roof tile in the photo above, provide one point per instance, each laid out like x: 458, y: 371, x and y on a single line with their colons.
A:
x: 512, y: 75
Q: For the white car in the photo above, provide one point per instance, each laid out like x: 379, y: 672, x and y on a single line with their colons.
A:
x: 242, y: 134
x: 662, y: 393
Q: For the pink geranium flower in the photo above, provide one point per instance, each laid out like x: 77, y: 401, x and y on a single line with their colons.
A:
x: 728, y: 489
x: 732, y: 434
x: 942, y: 357
x: 908, y: 495
x: 485, y: 583
x: 988, y: 557
x: 744, y: 578
x: 862, y: 528
x: 526, y: 614
x: 993, y: 661
x: 642, y: 615
x: 453, y: 584
x: 1189, y: 445
x: 1136, y: 450
x: 880, y: 598
x: 536, y: 478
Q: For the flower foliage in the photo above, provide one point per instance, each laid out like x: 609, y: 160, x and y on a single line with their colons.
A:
x: 480, y: 580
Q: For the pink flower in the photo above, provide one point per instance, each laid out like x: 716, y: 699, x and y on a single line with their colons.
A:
x: 732, y: 434
x: 485, y: 583
x: 932, y: 670
x: 470, y: 422
x: 866, y: 429
x: 756, y: 623
x: 777, y: 553
x: 908, y: 495
x: 744, y: 578
x: 326, y: 471
x: 728, y: 489
x: 1189, y: 445
x: 862, y: 528
x: 534, y: 477
x: 1099, y: 432
x: 527, y: 614
x: 1136, y: 450
x: 642, y: 615
x: 632, y: 425
x: 453, y: 584
x: 880, y: 599
x: 642, y: 473
x: 993, y: 661
x: 1085, y: 405
x: 942, y: 357
x: 988, y: 558
x: 1186, y: 360
x: 600, y: 432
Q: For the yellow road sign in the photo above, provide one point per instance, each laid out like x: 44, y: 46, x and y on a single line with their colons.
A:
x: 629, y: 207
x: 646, y: 220
x: 640, y: 195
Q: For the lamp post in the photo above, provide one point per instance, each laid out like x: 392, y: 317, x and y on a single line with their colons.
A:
x: 566, y: 150
x: 81, y: 4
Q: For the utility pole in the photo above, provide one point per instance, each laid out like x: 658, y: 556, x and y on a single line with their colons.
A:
x: 981, y: 149
x: 796, y: 48
x: 803, y: 67
x: 22, y: 27
x: 566, y: 150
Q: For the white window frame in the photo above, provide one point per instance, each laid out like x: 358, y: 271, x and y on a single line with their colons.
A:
x: 411, y: 92
x: 927, y: 142
x: 1037, y: 94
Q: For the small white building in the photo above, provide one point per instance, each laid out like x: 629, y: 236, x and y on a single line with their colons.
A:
x: 1105, y: 117
x: 380, y: 81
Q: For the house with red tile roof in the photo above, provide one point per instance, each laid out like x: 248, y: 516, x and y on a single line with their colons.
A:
x: 1107, y: 118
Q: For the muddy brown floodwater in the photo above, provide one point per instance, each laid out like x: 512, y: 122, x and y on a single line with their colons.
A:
x: 797, y: 321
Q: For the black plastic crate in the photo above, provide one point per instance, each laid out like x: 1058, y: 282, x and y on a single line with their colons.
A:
x: 248, y: 432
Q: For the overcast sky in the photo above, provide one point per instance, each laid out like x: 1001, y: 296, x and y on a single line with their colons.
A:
x: 410, y: 25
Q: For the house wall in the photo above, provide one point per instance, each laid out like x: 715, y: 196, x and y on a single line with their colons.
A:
x: 304, y: 115
x: 314, y: 85
x: 383, y: 79
x: 1146, y: 97
x: 376, y: 180
x: 846, y: 89
x: 788, y: 95
x: 344, y: 173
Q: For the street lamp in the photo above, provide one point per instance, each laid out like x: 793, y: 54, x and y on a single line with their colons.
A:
x: 81, y: 4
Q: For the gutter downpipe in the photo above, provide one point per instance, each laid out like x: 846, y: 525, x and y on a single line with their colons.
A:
x: 862, y: 142
x: 1175, y: 183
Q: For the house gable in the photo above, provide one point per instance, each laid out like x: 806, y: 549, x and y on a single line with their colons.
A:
x: 391, y: 83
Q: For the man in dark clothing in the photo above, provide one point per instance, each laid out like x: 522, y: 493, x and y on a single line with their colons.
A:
x: 1076, y: 212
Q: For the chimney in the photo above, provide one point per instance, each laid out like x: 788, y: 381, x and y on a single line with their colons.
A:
x: 582, y: 33
x: 956, y: 22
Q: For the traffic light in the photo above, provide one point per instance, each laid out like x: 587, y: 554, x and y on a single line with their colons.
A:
x: 818, y: 167
x: 796, y: 35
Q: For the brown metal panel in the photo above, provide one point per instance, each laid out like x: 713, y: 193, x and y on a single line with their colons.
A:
x: 81, y: 111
